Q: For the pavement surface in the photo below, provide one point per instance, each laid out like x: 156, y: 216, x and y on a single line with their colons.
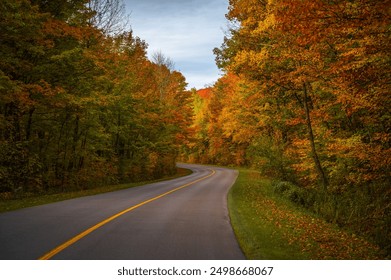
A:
x: 181, y: 219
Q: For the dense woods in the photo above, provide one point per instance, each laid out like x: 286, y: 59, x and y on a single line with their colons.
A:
x: 306, y: 99
x: 81, y: 105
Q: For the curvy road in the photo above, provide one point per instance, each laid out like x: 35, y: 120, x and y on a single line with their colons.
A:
x: 181, y: 219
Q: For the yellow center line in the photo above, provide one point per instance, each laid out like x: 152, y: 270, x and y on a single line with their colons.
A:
x: 65, y: 245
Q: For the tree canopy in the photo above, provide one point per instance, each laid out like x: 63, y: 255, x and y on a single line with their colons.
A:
x: 81, y: 105
x: 306, y: 98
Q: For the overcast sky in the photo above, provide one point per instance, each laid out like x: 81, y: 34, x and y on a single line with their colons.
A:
x: 186, y: 31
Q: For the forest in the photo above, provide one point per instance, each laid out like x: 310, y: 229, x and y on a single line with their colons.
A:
x: 81, y: 104
x: 304, y: 99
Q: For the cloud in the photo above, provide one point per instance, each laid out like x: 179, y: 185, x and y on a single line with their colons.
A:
x: 186, y: 31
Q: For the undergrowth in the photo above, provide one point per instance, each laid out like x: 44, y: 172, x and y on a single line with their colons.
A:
x: 269, y: 225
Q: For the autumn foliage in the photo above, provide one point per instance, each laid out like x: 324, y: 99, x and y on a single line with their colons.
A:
x: 305, y: 98
x: 80, y: 106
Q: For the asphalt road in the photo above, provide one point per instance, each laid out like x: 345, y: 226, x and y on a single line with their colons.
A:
x: 181, y: 219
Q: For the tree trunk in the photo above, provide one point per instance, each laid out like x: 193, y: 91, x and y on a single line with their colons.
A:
x: 29, y: 123
x: 311, y: 137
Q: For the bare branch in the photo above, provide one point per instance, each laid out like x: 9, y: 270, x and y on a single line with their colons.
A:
x: 110, y: 16
x: 160, y: 59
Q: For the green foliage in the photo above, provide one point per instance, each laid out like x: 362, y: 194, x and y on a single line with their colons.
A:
x: 268, y: 156
x: 269, y: 226
x: 20, y: 171
x: 291, y: 192
x: 81, y: 108
x: 360, y: 210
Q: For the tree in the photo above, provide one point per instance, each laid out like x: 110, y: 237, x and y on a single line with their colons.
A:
x: 322, y: 69
x: 164, y: 67
x: 109, y: 16
x: 80, y: 103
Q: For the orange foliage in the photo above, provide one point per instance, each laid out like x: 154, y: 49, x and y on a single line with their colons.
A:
x: 205, y: 93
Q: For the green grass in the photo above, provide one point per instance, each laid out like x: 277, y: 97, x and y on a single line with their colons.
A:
x: 250, y: 218
x: 14, y: 204
x: 269, y: 226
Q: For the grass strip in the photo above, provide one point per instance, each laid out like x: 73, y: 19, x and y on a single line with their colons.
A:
x: 268, y: 226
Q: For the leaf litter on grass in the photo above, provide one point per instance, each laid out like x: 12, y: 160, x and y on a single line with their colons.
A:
x: 314, y: 236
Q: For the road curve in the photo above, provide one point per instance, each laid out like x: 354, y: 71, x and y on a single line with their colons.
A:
x: 181, y: 219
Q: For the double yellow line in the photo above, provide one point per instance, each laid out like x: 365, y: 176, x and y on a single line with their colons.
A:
x: 65, y: 245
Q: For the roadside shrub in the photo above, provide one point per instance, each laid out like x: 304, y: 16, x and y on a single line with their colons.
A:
x: 362, y: 209
x: 282, y: 187
x: 293, y: 193
x: 20, y: 170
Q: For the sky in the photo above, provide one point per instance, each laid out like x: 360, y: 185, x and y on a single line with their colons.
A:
x: 186, y: 31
